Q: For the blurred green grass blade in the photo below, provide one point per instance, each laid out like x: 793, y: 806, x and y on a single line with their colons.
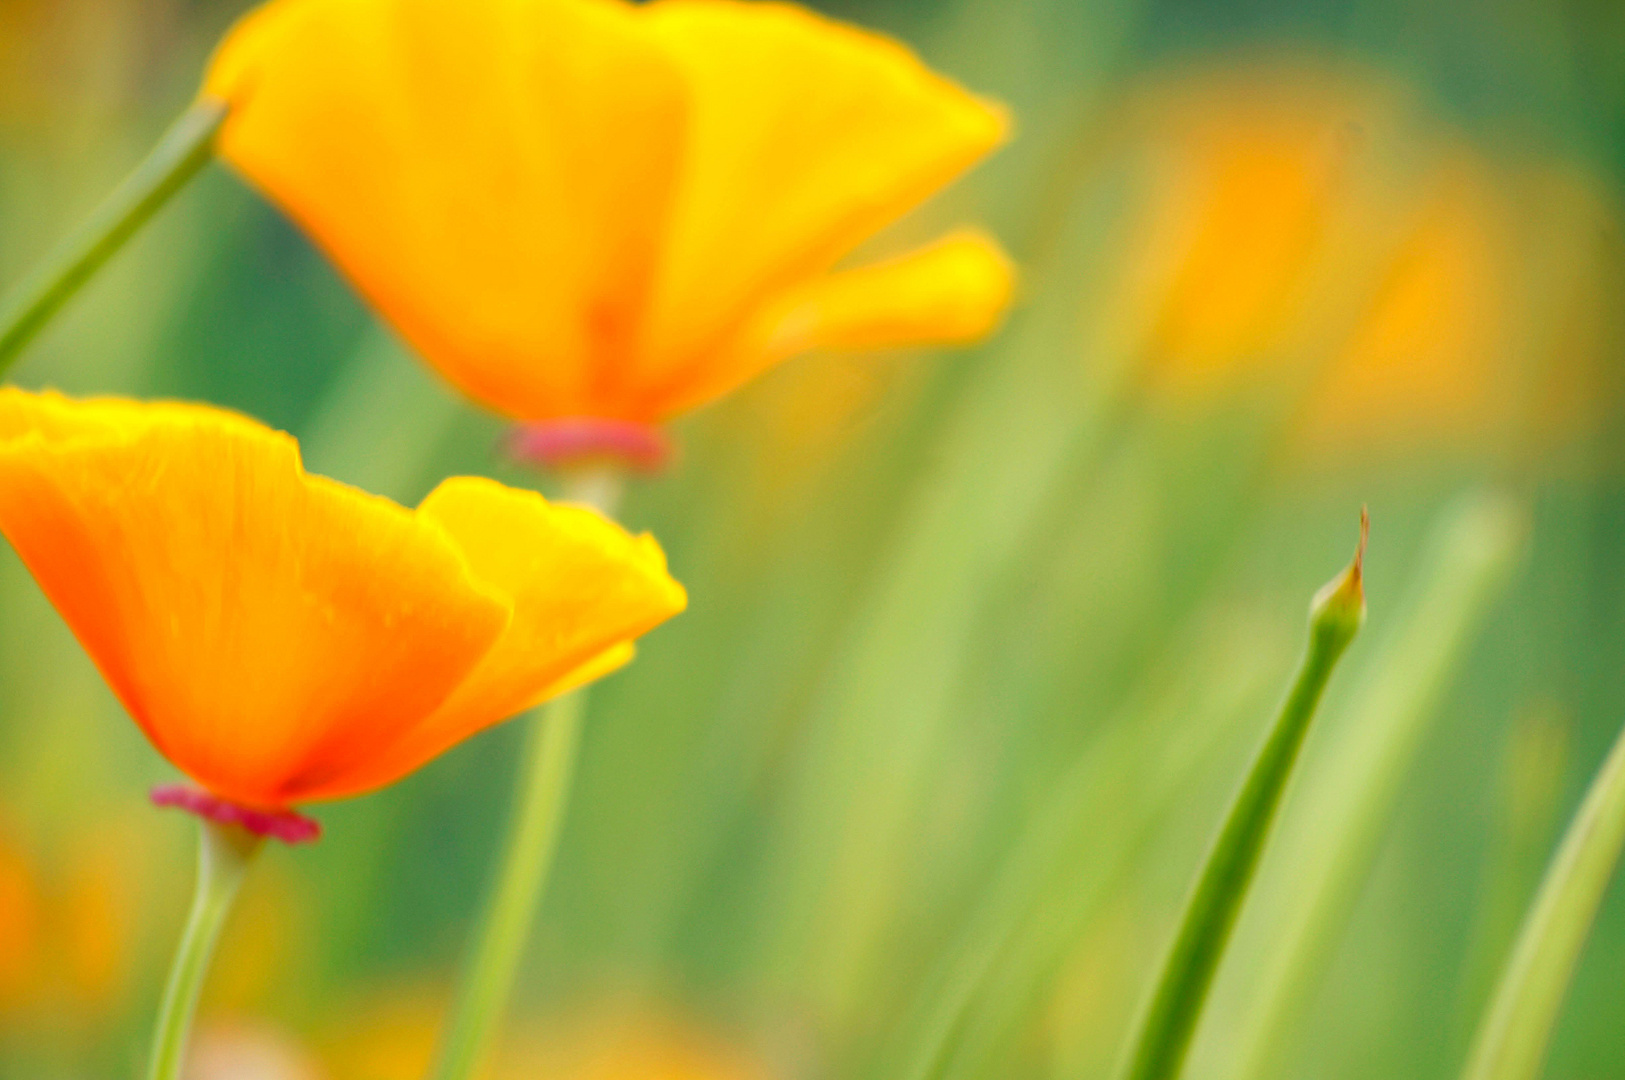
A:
x: 184, y: 149
x: 1529, y: 812
x: 1018, y: 430
x: 1513, y: 1036
x: 1129, y: 776
x: 1129, y: 824
x: 895, y: 684
x: 1162, y: 1036
x: 1349, y: 791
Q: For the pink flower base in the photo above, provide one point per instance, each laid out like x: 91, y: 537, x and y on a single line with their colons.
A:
x: 578, y: 440
x: 284, y: 825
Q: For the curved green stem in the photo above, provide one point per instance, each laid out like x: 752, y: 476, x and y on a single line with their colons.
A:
x: 1348, y: 800
x: 547, y: 768
x: 1163, y: 1034
x: 224, y: 852
x: 1512, y: 1039
x: 185, y: 148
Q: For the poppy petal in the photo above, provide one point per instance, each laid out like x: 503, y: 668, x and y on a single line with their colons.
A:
x: 581, y: 588
x: 607, y: 662
x: 951, y: 292
x: 806, y: 137
x: 249, y: 616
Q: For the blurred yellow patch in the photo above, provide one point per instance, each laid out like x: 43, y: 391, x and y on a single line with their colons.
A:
x: 70, y: 920
x: 645, y: 1046
x: 20, y: 922
x: 387, y: 1036
x: 1256, y: 206
x: 391, y: 1036
x: 1425, y: 355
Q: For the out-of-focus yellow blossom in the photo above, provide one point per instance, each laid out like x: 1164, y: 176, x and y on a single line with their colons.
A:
x: 69, y: 924
x: 388, y: 1035
x: 1312, y: 232
x: 95, y: 917
x: 599, y: 209
x: 1427, y: 352
x: 1255, y: 207
x: 20, y: 922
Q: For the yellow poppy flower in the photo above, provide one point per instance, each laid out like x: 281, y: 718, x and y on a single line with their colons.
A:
x: 593, y: 208
x: 282, y: 637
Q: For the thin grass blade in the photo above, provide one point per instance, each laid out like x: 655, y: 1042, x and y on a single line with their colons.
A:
x: 1513, y: 1036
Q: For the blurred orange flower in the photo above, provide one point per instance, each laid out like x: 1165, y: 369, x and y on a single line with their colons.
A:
x: 281, y: 637
x: 1310, y: 230
x: 580, y: 208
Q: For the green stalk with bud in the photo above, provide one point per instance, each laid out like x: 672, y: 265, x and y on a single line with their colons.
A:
x: 1162, y: 1036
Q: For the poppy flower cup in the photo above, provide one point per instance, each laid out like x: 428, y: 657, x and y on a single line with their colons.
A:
x: 283, y: 638
x: 601, y: 214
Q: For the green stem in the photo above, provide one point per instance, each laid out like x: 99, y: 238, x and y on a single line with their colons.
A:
x: 1163, y: 1034
x: 1512, y: 1039
x: 184, y: 149
x: 1347, y: 800
x: 547, y: 768
x: 224, y: 853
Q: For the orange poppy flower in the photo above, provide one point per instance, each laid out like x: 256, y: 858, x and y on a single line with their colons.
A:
x: 282, y: 637
x: 599, y: 209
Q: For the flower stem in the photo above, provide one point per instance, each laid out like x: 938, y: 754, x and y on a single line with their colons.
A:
x: 1163, y: 1034
x: 224, y: 853
x: 1347, y: 801
x: 1512, y: 1038
x: 547, y: 768
x: 184, y: 149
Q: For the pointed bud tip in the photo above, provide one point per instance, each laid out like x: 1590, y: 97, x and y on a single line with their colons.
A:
x: 1359, y: 550
x: 1339, y: 607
